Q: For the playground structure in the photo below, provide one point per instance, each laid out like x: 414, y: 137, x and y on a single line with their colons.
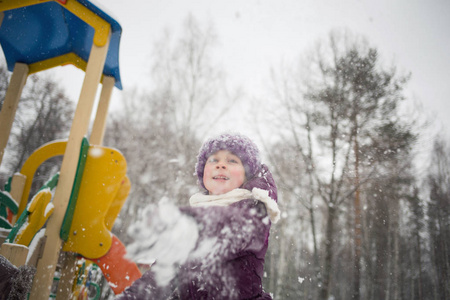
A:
x: 78, y: 206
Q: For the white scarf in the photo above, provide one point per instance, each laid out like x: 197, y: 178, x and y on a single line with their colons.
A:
x: 236, y: 195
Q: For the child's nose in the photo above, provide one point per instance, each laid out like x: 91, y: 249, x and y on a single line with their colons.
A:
x: 220, y: 166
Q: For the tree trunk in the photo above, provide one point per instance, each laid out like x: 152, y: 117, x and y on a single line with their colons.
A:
x: 419, y: 263
x: 357, y: 229
x: 282, y: 269
x: 314, y: 237
x: 396, y: 251
x: 316, y: 252
x: 324, y: 291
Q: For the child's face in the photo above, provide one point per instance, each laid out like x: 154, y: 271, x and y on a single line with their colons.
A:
x: 223, y: 172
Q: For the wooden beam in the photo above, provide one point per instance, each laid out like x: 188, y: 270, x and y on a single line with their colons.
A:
x: 47, y: 264
x: 12, y: 97
x: 68, y: 273
x: 17, y: 185
x: 98, y: 129
x: 15, y: 253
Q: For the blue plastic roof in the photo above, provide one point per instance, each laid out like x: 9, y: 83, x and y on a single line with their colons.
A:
x: 38, y: 32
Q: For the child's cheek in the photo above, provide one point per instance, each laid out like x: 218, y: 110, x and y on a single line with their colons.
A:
x: 238, y: 174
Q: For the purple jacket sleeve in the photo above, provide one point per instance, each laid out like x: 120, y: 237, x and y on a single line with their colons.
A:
x: 243, y: 226
x: 227, y: 262
x: 263, y: 180
x: 15, y: 282
x: 229, y: 259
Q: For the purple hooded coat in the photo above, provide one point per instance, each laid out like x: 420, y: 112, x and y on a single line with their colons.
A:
x: 233, y: 266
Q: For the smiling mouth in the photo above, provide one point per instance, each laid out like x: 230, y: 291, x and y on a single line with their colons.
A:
x: 221, y: 177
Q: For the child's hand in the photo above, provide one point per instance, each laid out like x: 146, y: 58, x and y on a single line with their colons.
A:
x: 263, y: 180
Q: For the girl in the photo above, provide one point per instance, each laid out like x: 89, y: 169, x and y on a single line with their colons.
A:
x: 224, y: 233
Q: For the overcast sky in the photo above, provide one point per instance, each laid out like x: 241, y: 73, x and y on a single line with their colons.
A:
x: 257, y: 34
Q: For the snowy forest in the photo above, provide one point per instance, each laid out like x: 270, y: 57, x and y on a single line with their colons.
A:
x: 365, y: 208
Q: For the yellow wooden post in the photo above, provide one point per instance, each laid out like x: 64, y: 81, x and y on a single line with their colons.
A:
x: 47, y: 264
x: 98, y: 129
x: 12, y: 97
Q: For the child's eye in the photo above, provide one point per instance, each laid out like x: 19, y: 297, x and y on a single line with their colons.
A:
x: 233, y: 161
x: 212, y: 160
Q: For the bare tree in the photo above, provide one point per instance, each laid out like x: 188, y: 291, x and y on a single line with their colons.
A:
x: 44, y: 114
x: 439, y: 217
x: 337, y: 109
x: 185, y: 74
